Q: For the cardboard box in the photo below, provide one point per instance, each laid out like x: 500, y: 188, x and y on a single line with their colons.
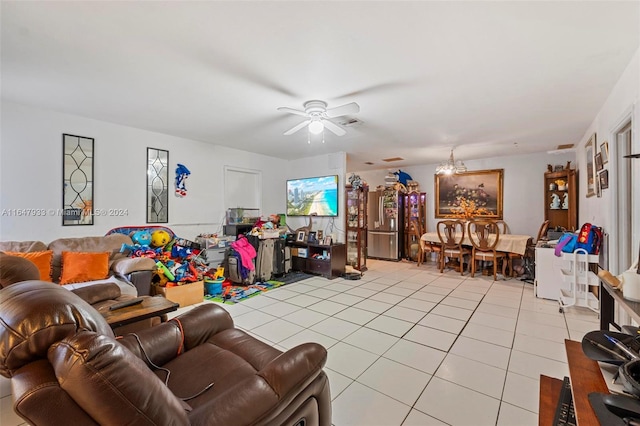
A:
x: 185, y: 295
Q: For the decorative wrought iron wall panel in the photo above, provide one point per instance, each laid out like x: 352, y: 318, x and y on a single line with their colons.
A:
x: 157, y: 186
x: 77, y: 170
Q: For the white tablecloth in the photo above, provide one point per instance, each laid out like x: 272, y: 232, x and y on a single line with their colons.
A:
x: 511, y: 243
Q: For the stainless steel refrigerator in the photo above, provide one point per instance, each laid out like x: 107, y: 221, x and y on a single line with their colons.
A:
x: 385, y: 224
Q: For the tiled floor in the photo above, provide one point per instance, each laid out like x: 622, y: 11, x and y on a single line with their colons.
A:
x: 410, y: 346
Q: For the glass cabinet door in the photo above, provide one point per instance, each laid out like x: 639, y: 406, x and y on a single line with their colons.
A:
x: 356, y: 227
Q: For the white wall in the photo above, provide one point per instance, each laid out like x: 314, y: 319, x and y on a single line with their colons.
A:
x: 620, y: 106
x: 321, y: 165
x: 31, y: 175
x: 523, y: 186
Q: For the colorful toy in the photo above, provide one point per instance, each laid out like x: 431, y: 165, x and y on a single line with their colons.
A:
x: 180, y: 252
x: 166, y: 271
x: 160, y: 238
x: 182, y: 173
x: 142, y: 237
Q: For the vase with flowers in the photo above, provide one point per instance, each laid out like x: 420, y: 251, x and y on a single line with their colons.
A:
x: 467, y: 209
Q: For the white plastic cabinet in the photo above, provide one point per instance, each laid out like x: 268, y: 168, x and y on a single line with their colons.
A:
x: 549, y: 282
x: 579, y: 277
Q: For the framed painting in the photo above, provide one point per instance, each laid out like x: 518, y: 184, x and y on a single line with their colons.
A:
x: 483, y: 187
x: 590, y: 162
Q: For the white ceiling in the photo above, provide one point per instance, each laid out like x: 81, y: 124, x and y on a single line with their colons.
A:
x: 488, y: 78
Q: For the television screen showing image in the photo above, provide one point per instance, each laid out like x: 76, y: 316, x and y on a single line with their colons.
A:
x: 316, y: 195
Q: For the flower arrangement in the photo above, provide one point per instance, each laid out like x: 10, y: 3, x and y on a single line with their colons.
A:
x: 467, y: 209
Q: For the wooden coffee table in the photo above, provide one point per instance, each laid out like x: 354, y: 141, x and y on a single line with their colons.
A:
x: 150, y: 307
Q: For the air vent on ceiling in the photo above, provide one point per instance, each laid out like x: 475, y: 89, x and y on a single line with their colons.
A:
x: 369, y: 163
x: 349, y: 121
x: 389, y: 160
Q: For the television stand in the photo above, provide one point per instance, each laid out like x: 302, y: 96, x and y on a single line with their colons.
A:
x: 326, y: 261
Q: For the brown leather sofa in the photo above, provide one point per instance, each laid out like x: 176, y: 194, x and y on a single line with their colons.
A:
x: 101, y: 297
x: 67, y: 368
x: 133, y: 275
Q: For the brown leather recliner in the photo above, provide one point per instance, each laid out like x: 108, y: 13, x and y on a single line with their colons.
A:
x: 67, y: 368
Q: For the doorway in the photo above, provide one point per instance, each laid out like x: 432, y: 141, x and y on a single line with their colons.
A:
x: 624, y: 202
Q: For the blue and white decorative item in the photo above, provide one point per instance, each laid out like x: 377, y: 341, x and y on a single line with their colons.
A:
x: 565, y: 201
x: 555, y: 202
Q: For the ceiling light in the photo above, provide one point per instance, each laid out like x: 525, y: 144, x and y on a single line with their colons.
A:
x: 451, y: 166
x: 316, y: 127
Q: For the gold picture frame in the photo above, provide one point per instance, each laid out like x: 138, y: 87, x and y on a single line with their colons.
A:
x: 485, y: 187
x: 589, y: 152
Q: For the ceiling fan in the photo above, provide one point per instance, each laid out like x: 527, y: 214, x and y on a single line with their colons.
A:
x: 318, y: 117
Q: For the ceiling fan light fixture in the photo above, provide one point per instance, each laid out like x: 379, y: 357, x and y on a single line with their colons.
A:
x: 450, y: 166
x: 316, y: 127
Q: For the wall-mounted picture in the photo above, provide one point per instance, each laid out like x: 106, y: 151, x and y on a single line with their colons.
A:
x: 77, y: 180
x: 598, y: 161
x: 300, y: 237
x: 604, y: 179
x: 591, y: 173
x: 604, y: 150
x: 483, y: 187
x: 157, y: 185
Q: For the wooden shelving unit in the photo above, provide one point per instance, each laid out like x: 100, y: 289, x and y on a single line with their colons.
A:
x: 327, y: 261
x: 566, y: 213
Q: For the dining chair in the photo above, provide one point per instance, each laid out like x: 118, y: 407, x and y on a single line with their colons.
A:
x: 451, y: 235
x: 484, y: 235
x: 414, y: 232
x: 530, y: 252
x: 425, y: 247
x: 503, y: 227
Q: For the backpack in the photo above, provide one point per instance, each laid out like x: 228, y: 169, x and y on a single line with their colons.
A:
x: 233, y: 271
x: 590, y: 238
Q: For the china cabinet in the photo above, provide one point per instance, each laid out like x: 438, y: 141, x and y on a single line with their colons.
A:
x: 561, y: 199
x: 356, y: 226
x: 415, y: 222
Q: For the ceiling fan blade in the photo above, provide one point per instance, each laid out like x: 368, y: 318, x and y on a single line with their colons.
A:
x: 297, y: 127
x: 293, y: 111
x: 334, y: 128
x: 350, y: 108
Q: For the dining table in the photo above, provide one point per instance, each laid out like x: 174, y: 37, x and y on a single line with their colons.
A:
x: 509, y: 243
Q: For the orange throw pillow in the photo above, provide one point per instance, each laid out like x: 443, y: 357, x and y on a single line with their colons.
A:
x: 79, y: 267
x: 42, y: 260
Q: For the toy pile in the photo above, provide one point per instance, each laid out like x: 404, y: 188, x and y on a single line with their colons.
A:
x: 178, y: 259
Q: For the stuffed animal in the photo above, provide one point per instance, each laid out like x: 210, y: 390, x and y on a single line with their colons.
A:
x: 142, y: 237
x: 182, y: 173
x: 160, y: 238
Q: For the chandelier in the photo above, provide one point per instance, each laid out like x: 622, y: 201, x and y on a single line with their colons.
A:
x: 451, y: 166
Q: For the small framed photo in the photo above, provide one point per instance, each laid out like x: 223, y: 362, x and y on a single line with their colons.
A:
x: 312, y: 238
x: 604, y: 150
x: 604, y: 179
x: 598, y: 188
x: 300, y: 236
x: 598, y: 161
x: 320, y: 234
x: 327, y: 241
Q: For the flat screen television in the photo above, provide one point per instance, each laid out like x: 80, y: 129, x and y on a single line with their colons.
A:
x: 313, y: 196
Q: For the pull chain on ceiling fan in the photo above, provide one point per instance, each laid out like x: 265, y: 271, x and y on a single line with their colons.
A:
x: 318, y: 117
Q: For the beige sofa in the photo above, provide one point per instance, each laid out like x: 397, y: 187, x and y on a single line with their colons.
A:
x: 132, y: 275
